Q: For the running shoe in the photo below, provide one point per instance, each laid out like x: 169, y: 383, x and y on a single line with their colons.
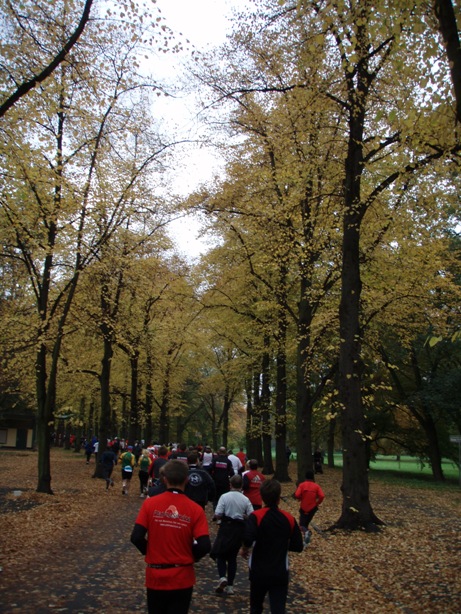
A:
x: 222, y: 585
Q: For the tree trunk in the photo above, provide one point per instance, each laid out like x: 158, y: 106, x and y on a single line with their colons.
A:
x: 149, y: 402
x: 249, y: 415
x: 43, y: 425
x: 134, y: 427
x: 356, y: 507
x: 254, y: 449
x: 303, y: 396
x: 268, y: 466
x: 280, y: 430
x: 225, y: 417
x: 445, y: 13
x: 164, y: 426
x: 331, y: 443
x: 435, y: 457
x: 105, y: 416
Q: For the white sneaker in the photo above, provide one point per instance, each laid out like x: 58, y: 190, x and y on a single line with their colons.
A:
x: 222, y: 585
x: 229, y: 590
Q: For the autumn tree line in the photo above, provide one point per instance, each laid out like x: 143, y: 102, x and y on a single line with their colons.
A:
x: 326, y: 311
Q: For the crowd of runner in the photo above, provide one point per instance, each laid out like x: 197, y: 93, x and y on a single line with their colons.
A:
x: 177, y: 482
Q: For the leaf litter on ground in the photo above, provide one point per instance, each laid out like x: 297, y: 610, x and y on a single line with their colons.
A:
x: 412, y: 565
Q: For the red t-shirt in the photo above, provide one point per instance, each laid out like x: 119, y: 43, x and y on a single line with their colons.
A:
x: 242, y: 457
x: 255, y: 479
x: 172, y: 521
x: 310, y: 494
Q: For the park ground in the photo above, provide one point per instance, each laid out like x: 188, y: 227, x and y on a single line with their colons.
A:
x: 70, y: 552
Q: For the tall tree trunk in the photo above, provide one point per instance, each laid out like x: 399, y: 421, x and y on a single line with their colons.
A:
x: 435, y: 456
x: 149, y: 399
x: 134, y: 427
x: 280, y: 427
x: 225, y: 417
x: 303, y: 395
x: 44, y: 424
x: 105, y: 416
x: 164, y: 424
x: 356, y: 507
x: 268, y: 466
x: 445, y: 13
x: 249, y: 415
x: 254, y: 449
x: 331, y: 443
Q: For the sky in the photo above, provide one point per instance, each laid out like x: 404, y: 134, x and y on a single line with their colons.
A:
x: 205, y: 24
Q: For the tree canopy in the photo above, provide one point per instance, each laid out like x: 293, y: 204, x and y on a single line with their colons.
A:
x: 325, y: 313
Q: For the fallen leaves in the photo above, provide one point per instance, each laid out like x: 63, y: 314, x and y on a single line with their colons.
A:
x: 60, y: 552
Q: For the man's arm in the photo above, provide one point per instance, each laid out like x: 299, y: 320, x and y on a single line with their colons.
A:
x: 138, y: 538
x: 201, y: 546
x: 211, y: 486
x: 296, y: 539
x: 249, y: 535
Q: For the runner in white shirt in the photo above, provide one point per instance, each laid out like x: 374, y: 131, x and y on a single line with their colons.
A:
x: 236, y: 462
x: 232, y: 510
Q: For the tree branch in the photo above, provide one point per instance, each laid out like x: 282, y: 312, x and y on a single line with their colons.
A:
x: 25, y: 87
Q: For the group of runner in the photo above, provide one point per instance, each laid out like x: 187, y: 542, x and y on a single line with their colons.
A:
x: 172, y: 531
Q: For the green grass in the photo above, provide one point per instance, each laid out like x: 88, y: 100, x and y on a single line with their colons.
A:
x: 409, y: 472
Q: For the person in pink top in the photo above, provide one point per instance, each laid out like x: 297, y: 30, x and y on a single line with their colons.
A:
x: 310, y: 496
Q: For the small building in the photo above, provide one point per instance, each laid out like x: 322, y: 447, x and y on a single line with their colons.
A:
x: 17, y: 428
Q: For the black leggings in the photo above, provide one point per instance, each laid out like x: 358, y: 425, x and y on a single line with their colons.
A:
x: 227, y: 566
x: 143, y: 479
x: 277, y: 597
x: 305, y: 518
x: 169, y: 602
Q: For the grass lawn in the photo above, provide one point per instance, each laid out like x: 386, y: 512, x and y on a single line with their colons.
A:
x: 407, y: 466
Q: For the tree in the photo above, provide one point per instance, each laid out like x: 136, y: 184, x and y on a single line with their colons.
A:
x: 26, y: 28
x: 381, y: 144
x: 58, y: 207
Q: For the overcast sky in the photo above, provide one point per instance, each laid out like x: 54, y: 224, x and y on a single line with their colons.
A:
x: 205, y: 24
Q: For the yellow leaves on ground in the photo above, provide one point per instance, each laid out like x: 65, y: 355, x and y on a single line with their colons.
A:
x: 412, y: 565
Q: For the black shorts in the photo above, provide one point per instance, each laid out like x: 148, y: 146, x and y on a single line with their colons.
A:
x: 126, y: 475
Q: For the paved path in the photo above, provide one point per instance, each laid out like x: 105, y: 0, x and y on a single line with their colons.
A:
x: 97, y: 569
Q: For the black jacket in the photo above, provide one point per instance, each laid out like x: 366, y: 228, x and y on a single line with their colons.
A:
x: 200, y: 487
x: 273, y: 532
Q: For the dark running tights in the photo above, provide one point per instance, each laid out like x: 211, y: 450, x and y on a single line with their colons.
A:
x: 169, y: 602
x: 227, y: 567
x: 277, y: 598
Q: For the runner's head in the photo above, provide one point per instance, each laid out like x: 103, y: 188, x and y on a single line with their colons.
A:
x: 270, y: 492
x: 175, y: 473
x: 236, y: 482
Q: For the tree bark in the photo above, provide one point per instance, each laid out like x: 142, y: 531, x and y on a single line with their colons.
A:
x: 43, y: 425
x: 268, y: 466
x: 280, y: 427
x: 356, y: 507
x: 303, y: 396
x: 445, y: 14
x: 105, y: 416
x: 134, y: 428
x: 331, y: 443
